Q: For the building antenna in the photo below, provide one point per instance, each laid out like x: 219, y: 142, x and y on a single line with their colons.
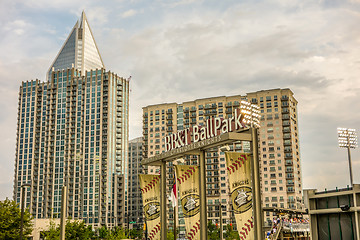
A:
x: 129, y: 78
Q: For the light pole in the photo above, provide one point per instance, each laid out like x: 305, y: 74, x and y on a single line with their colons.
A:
x: 63, y: 213
x: 348, y: 139
x: 221, y: 223
x: 22, y: 208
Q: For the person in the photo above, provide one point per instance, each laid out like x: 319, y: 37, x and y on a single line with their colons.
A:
x: 268, y: 235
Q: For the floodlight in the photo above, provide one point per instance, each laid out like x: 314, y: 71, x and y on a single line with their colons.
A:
x: 348, y: 139
x: 251, y: 113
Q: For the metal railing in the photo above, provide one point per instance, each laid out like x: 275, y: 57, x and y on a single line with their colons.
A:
x: 296, y: 227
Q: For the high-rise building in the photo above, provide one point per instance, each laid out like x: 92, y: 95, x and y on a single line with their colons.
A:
x: 73, y: 130
x: 281, y: 181
x: 79, y: 50
x: 135, y: 204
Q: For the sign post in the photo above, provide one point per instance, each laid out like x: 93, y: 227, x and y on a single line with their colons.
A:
x: 258, y: 213
x: 163, y: 229
x: 203, y: 202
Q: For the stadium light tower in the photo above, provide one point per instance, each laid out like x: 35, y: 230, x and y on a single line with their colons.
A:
x: 348, y: 139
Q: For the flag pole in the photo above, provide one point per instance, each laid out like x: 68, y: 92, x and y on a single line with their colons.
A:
x: 175, y: 205
x: 175, y: 222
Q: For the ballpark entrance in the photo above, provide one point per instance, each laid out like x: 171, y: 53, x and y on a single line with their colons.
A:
x: 178, y: 146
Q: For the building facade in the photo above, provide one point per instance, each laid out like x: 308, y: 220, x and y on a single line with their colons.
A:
x: 79, y: 50
x: 135, y: 205
x: 280, y: 166
x: 73, y: 130
x: 334, y: 214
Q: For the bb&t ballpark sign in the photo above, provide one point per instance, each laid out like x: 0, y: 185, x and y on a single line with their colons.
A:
x: 213, y: 127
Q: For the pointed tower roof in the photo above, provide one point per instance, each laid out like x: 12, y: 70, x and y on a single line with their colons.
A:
x: 79, y: 50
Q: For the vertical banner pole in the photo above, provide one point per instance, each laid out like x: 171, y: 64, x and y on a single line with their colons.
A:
x: 203, y: 203
x: 175, y: 222
x: 221, y: 223
x: 258, y: 213
x: 163, y: 200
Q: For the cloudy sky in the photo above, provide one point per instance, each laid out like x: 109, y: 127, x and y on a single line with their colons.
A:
x: 189, y: 49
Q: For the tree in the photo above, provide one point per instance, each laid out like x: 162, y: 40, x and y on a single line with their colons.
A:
x: 230, y: 234
x: 73, y: 230
x: 213, y: 231
x: 136, y: 233
x: 103, y: 232
x: 52, y: 233
x: 10, y: 218
x: 170, y: 236
x: 78, y: 230
x: 117, y: 233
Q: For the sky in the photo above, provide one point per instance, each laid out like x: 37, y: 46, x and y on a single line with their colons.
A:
x: 190, y: 49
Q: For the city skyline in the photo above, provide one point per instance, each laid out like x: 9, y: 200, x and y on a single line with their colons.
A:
x: 194, y: 48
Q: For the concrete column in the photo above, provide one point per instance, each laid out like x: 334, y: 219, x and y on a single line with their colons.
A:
x: 163, y: 200
x: 203, y: 203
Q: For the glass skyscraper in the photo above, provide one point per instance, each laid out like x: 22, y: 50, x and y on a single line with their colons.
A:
x: 79, y: 50
x: 73, y: 131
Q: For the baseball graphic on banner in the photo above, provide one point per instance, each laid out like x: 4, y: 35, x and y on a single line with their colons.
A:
x: 188, y: 180
x: 239, y: 170
x: 150, y: 188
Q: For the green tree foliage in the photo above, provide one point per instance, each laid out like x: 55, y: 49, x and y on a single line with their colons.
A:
x: 170, y: 236
x: 116, y: 233
x: 53, y: 232
x: 231, y: 234
x: 73, y: 230
x: 136, y: 233
x: 103, y: 232
x: 213, y: 231
x: 78, y: 230
x: 10, y: 218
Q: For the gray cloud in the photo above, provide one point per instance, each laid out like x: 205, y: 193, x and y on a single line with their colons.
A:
x: 198, y: 49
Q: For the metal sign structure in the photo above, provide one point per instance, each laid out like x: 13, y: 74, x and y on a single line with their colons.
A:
x: 199, y: 148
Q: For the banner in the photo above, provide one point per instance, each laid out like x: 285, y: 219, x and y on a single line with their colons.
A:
x: 188, y: 184
x: 239, y: 172
x: 150, y: 188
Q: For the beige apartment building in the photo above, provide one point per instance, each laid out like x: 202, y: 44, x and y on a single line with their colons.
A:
x: 280, y: 166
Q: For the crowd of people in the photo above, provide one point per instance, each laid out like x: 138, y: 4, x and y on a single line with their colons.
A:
x: 288, y: 221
